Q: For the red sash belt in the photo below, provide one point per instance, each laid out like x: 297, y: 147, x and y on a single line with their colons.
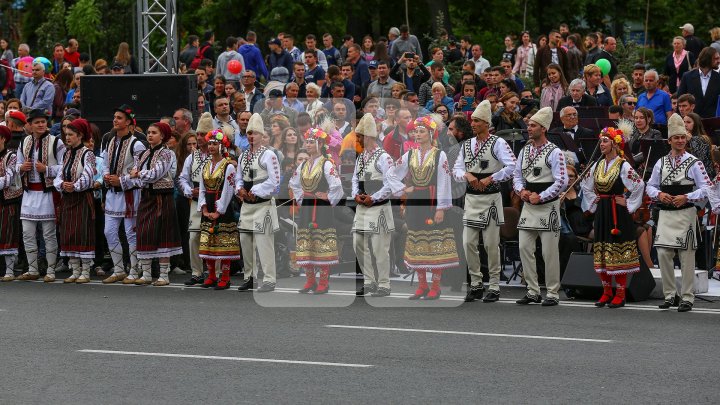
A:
x: 613, y: 204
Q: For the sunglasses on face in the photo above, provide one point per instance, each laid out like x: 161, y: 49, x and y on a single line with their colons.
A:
x: 630, y: 102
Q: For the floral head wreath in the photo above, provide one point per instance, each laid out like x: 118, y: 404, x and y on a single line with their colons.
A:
x: 218, y: 136
x: 428, y: 123
x: 314, y: 134
x: 616, y: 135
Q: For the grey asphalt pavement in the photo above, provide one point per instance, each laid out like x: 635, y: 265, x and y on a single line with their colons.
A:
x: 245, y: 348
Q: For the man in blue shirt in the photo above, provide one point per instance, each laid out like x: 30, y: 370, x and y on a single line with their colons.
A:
x: 40, y: 92
x: 332, y: 54
x: 655, y: 99
x: 362, y: 74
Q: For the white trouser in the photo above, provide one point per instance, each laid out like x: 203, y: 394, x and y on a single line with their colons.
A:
x: 262, y: 246
x: 491, y: 243
x: 379, y: 245
x: 112, y: 226
x: 31, y: 246
x: 195, y: 261
x: 667, y: 271
x: 551, y: 256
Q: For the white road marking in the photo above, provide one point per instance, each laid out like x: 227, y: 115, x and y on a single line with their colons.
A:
x: 452, y: 332
x: 250, y: 359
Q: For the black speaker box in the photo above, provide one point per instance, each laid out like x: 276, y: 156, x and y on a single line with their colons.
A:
x: 152, y: 96
x: 580, y: 276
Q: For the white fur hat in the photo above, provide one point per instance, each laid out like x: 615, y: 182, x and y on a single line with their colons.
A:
x: 366, y: 126
x: 543, y: 117
x: 256, y: 124
x: 482, y: 112
x: 676, y: 126
x: 205, y: 124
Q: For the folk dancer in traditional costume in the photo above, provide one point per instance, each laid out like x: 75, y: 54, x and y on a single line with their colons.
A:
x: 189, y: 181
x: 11, y: 193
x: 219, y: 237
x: 317, y: 188
x: 483, y: 162
x: 430, y: 246
x: 158, y: 233
x: 540, y: 176
x: 258, y: 178
x: 373, y: 183
x: 77, y: 205
x: 39, y: 161
x: 613, y: 191
x: 678, y: 182
x: 121, y: 204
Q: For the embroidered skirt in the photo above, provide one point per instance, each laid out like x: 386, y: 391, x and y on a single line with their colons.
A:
x: 158, y: 233
x: 10, y: 228
x: 219, y: 239
x: 77, y: 225
x: 316, y: 234
x: 614, y: 252
x: 429, y: 246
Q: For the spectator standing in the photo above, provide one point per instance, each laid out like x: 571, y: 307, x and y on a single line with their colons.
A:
x: 678, y: 63
x: 694, y: 44
x: 278, y: 56
x: 71, y: 52
x: 405, y: 43
x: 332, y: 54
x: 124, y: 57
x: 704, y: 83
x: 231, y: 53
x: 39, y: 93
x: 253, y: 58
x: 656, y: 100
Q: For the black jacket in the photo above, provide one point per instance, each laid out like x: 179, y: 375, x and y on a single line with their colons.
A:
x: 705, y: 105
x: 585, y: 101
x: 420, y: 76
x: 674, y: 74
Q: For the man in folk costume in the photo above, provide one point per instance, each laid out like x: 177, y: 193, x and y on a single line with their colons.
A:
x: 77, y: 206
x: 257, y: 179
x: 613, y: 191
x: 539, y: 177
x: 189, y: 181
x: 317, y: 188
x: 10, y: 195
x: 372, y: 184
x: 39, y: 161
x: 121, y: 204
x: 483, y: 162
x: 678, y: 182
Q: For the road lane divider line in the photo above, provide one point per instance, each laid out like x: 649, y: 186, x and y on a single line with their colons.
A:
x: 246, y: 359
x: 452, y: 332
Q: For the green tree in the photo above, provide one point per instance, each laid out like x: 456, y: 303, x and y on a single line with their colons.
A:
x: 83, y: 20
x: 52, y: 29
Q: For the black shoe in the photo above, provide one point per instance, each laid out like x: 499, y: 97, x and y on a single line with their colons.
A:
x: 475, y: 293
x: 492, y: 296
x: 308, y: 290
x: 195, y: 280
x: 685, y: 306
x: 670, y: 303
x: 371, y: 288
x: 621, y: 304
x: 266, y: 287
x: 550, y: 302
x: 527, y: 299
x: 247, y: 285
x: 381, y: 292
x: 419, y: 294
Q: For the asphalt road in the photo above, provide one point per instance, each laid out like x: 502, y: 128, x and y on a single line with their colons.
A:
x: 148, y: 345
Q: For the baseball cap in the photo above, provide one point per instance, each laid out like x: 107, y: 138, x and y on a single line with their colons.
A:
x: 275, y: 41
x: 373, y: 64
x: 275, y: 93
x: 117, y: 66
x: 688, y: 27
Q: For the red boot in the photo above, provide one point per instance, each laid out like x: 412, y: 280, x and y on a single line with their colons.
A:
x: 619, y: 300
x: 435, y: 289
x: 324, y: 285
x: 224, y: 283
x: 423, y: 289
x: 211, y: 279
x: 310, y: 282
x: 607, y: 290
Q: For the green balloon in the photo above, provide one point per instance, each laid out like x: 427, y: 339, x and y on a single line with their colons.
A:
x: 604, y: 66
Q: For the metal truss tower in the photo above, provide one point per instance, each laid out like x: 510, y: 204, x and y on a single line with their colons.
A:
x: 157, y: 37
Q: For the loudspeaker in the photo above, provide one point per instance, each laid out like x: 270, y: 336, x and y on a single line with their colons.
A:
x: 152, y: 96
x: 580, y: 276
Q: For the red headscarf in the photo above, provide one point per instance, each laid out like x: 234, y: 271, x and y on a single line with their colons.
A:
x: 82, y: 127
x: 165, y: 130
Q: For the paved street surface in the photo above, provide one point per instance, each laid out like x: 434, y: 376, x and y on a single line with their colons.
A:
x: 90, y: 344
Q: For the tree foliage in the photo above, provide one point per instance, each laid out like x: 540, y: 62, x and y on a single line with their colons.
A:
x: 83, y: 20
x: 53, y: 29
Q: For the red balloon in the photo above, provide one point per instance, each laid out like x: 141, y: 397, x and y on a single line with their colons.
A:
x: 234, y: 67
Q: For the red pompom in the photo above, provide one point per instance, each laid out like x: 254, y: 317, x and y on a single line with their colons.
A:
x: 615, y: 231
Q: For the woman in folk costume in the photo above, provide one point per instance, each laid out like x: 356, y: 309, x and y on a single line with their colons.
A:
x: 317, y: 188
x: 430, y: 245
x: 614, y: 191
x: 77, y: 205
x: 158, y: 234
x: 219, y: 237
x: 10, y: 195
